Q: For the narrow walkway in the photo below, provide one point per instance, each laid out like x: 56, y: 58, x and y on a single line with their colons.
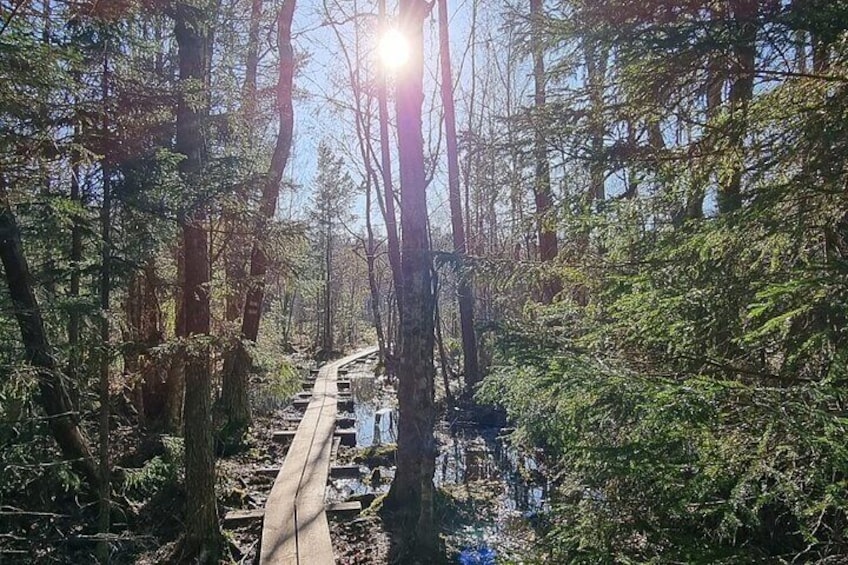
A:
x: 295, y: 530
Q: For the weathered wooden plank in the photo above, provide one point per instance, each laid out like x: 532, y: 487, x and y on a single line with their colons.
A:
x: 235, y: 518
x: 345, y: 508
x: 284, y: 436
x: 295, y: 529
x: 345, y: 471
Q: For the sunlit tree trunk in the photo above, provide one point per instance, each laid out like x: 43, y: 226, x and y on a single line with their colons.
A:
x: 465, y: 293
x: 386, y: 170
x: 412, y: 488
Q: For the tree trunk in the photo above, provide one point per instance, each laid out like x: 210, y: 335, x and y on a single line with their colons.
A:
x: 741, y: 93
x: 386, y: 169
x: 548, y: 249
x: 465, y: 293
x: 235, y: 404
x: 370, y: 252
x: 175, y: 383
x: 144, y: 323
x: 74, y: 319
x: 104, y: 519
x: 52, y: 394
x: 412, y: 487
x: 202, y: 540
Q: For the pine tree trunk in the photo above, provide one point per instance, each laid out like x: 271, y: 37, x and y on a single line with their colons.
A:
x: 175, y: 383
x: 202, y: 541
x: 104, y: 518
x: 410, y: 490
x: 386, y: 170
x: 744, y: 13
x: 144, y: 332
x: 548, y: 247
x: 465, y: 293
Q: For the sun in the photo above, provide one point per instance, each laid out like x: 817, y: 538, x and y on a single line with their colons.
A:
x: 393, y: 49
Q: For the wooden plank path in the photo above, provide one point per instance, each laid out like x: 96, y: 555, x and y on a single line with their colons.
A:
x: 295, y: 529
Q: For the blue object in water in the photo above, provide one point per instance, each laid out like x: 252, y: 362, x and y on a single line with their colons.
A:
x: 477, y: 556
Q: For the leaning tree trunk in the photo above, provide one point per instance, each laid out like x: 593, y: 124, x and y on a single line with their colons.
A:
x: 202, y: 541
x: 52, y: 395
x: 234, y: 404
x: 412, y: 488
x: 465, y: 293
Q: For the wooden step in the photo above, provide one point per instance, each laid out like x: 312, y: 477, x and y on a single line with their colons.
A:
x: 344, y: 471
x: 301, y: 403
x: 344, y: 509
x: 284, y: 436
x: 342, y: 371
x: 235, y: 518
x: 270, y: 472
x: 345, y: 405
x: 336, y: 471
x: 334, y: 449
x: 345, y: 422
x: 343, y: 385
x: 347, y: 436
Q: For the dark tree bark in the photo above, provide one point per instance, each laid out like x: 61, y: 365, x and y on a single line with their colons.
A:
x: 545, y: 224
x: 104, y: 518
x: 235, y: 404
x: 412, y: 488
x: 144, y: 332
x: 744, y: 14
x: 465, y: 293
x: 75, y: 319
x: 202, y: 541
x: 52, y: 395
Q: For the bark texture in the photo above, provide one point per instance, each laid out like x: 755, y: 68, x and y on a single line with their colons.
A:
x: 412, y: 487
x: 202, y: 541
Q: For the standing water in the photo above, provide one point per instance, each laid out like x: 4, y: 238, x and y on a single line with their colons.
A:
x: 492, y: 493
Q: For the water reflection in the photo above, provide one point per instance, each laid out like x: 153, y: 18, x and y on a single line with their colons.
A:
x: 480, y: 458
x: 374, y: 409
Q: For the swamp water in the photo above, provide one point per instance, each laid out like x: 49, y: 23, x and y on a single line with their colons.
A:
x: 496, y: 492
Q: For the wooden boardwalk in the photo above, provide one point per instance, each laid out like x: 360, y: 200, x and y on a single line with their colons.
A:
x: 295, y: 529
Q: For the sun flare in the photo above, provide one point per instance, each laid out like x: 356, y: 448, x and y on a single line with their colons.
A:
x: 394, y: 49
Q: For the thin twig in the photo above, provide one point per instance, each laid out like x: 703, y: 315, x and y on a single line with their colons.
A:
x: 14, y: 12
